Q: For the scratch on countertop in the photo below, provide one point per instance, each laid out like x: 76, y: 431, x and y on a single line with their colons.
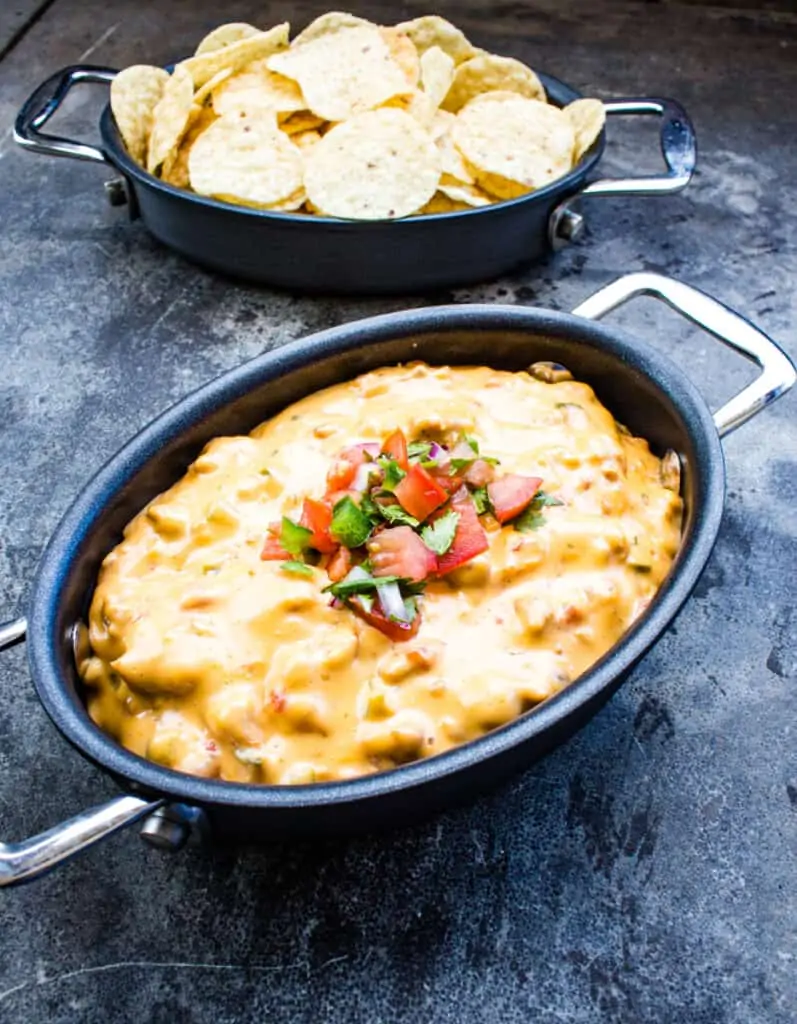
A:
x: 43, y: 979
x: 106, y: 35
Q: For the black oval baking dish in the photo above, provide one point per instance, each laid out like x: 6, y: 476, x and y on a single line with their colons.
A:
x: 642, y: 388
x: 328, y: 255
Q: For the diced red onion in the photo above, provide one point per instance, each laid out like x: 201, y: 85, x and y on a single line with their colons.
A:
x: 356, y: 573
x: 371, y: 448
x: 362, y: 476
x: 462, y: 450
x: 392, y: 602
x: 437, y: 452
x: 335, y: 603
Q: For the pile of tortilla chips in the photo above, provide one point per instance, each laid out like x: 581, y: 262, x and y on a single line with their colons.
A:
x: 350, y: 120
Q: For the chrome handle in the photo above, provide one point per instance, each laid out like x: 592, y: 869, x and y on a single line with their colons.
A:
x: 777, y: 370
x: 21, y: 862
x: 678, y: 147
x: 12, y: 633
x: 45, y: 101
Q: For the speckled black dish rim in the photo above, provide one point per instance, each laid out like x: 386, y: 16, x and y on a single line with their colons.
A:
x: 49, y: 634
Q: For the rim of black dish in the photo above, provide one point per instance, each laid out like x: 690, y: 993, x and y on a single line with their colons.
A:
x: 70, y: 716
x: 115, y: 149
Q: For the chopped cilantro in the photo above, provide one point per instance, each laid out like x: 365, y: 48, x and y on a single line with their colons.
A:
x: 350, y: 526
x: 371, y: 509
x: 396, y: 514
x: 358, y: 583
x: 439, y: 535
x: 419, y: 450
x: 541, y: 499
x: 294, y: 538
x: 481, y: 499
x: 531, y: 518
x: 471, y: 442
x: 298, y: 568
x: 458, y: 464
x: 528, y: 520
x: 394, y: 474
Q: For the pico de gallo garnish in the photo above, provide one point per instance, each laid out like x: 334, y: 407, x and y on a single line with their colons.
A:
x: 397, y: 515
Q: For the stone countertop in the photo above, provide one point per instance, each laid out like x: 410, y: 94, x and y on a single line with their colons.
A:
x: 646, y: 870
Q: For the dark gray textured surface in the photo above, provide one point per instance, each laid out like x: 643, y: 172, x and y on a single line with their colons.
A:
x: 644, y: 872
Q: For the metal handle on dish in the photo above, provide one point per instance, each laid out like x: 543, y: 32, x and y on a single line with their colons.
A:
x: 777, y: 370
x: 12, y: 633
x: 45, y: 101
x: 678, y: 147
x: 24, y: 861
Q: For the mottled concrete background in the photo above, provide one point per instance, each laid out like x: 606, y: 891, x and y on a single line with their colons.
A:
x: 645, y: 872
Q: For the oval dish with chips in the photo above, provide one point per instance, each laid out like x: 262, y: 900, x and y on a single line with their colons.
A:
x: 350, y: 120
x: 333, y: 160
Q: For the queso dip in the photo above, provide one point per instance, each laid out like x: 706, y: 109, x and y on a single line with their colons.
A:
x: 221, y: 646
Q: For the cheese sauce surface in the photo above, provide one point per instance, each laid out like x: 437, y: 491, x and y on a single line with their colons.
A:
x: 210, y: 661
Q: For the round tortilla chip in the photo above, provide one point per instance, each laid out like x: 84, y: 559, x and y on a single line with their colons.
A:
x: 256, y: 89
x: 487, y: 73
x: 440, y: 203
x: 514, y: 145
x: 437, y: 74
x: 453, y: 168
x: 175, y: 166
x: 245, y: 160
x: 236, y: 55
x: 442, y: 122
x: 587, y: 118
x: 343, y: 73
x: 302, y: 121
x: 417, y: 104
x: 210, y: 86
x: 403, y: 53
x: 292, y: 203
x: 226, y: 35
x: 378, y: 165
x: 306, y: 140
x: 470, y: 195
x: 432, y: 30
x: 170, y: 117
x: 135, y: 92
x: 332, y: 21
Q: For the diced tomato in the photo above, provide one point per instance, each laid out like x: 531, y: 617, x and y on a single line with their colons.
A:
x: 469, y: 540
x: 344, y: 468
x: 339, y: 564
x: 396, y: 447
x: 399, y: 551
x: 273, y: 550
x: 450, y: 484
x: 333, y: 497
x: 479, y: 473
x: 316, y: 516
x: 395, y: 631
x: 419, y: 493
x: 510, y: 494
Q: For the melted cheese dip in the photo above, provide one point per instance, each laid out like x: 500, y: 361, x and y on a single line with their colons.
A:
x: 210, y: 661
